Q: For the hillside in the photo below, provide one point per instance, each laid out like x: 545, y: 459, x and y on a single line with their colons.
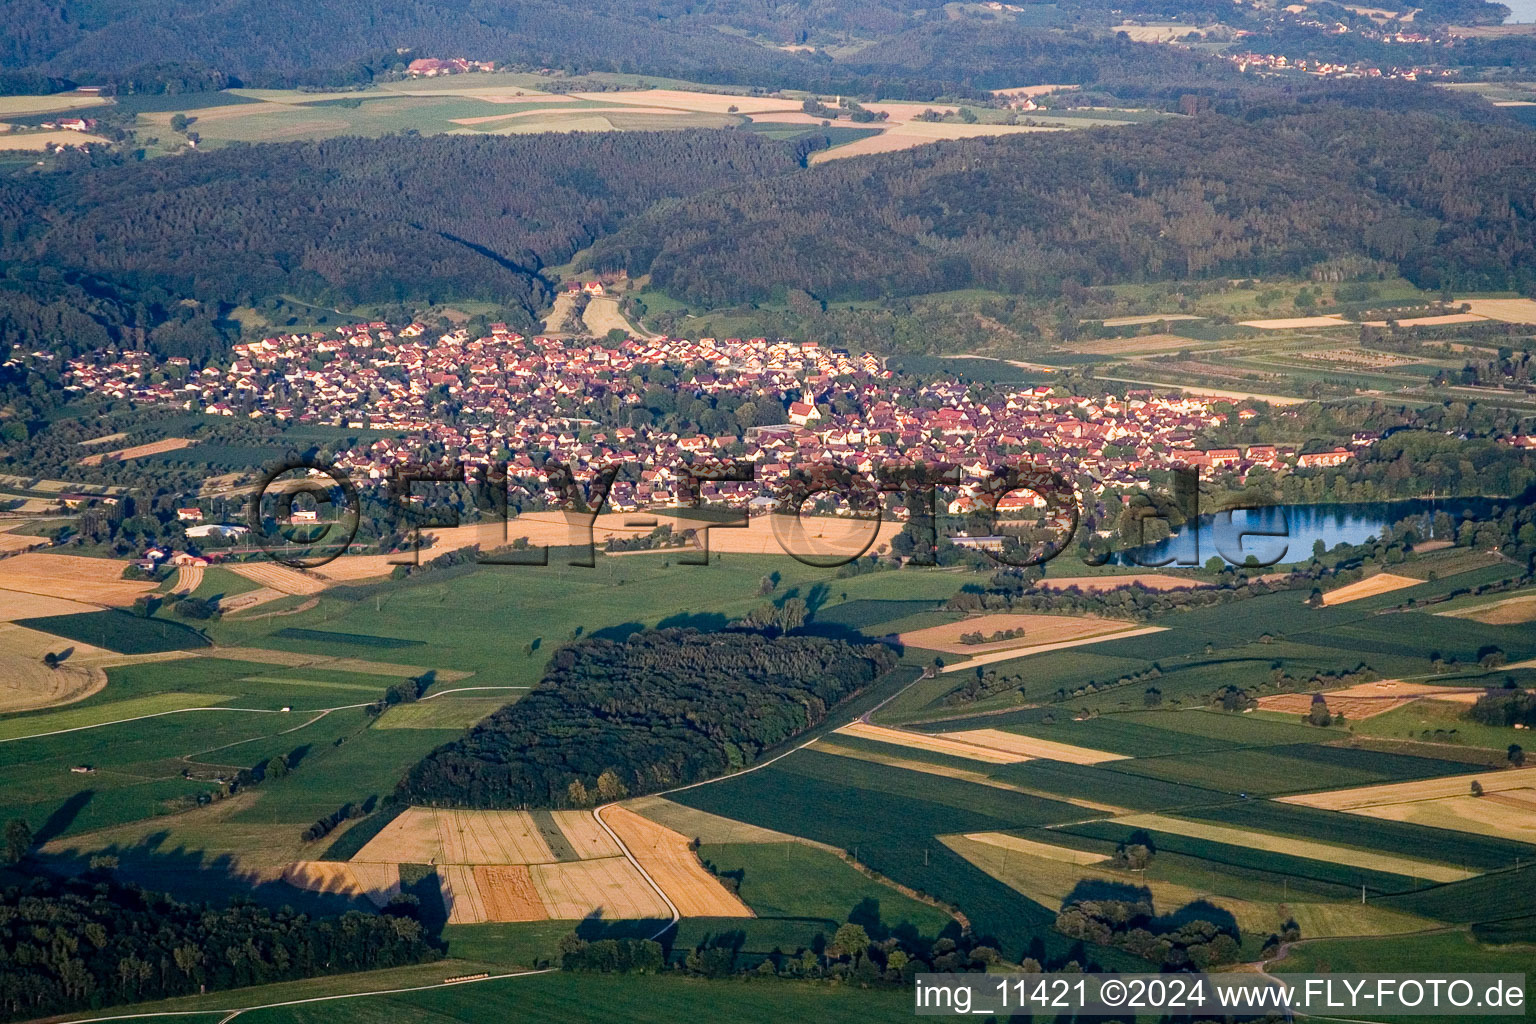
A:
x: 345, y: 221
x: 1448, y: 202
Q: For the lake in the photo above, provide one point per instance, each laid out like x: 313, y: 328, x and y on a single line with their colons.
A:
x: 1287, y: 533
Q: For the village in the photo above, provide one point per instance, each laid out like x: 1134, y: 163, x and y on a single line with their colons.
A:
x: 510, y: 399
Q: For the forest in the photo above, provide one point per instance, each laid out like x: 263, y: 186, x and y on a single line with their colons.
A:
x: 74, y: 944
x: 660, y: 709
x: 123, y: 244
x: 1272, y: 192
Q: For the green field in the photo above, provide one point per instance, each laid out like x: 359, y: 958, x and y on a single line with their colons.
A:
x: 772, y: 881
x: 119, y: 631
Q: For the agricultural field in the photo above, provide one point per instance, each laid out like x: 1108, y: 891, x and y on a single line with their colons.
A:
x: 1503, y: 804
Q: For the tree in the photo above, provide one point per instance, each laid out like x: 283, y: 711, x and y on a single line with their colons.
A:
x: 1516, y: 755
x: 51, y: 660
x: 1319, y: 714
x: 277, y: 767
x: 18, y: 840
x: 179, y: 122
x: 1477, y: 788
x: 850, y: 940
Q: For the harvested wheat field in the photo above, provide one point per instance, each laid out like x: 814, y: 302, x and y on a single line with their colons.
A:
x: 589, y: 839
x: 665, y: 856
x: 1369, y: 699
x: 26, y: 684
x: 1049, y: 881
x: 934, y: 743
x: 1511, y: 611
x: 1063, y: 854
x: 1027, y: 747
x: 15, y: 605
x: 461, y: 894
x: 13, y: 541
x: 1432, y: 321
x: 72, y: 577
x: 188, y: 578
x: 1010, y: 653
x: 507, y: 893
x: 169, y: 444
x: 378, y: 882
x: 1506, y: 809
x: 1290, y: 323
x: 911, y: 134
x: 702, y: 825
x: 1514, y: 311
x: 1038, y: 629
x: 1307, y: 848
x: 699, y: 102
x: 490, y: 837
x: 609, y: 889
x: 279, y: 577
x: 1371, y: 586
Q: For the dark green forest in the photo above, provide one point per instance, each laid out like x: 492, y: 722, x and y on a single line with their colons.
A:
x: 69, y: 945
x: 1451, y: 203
x: 662, y: 708
x: 345, y: 221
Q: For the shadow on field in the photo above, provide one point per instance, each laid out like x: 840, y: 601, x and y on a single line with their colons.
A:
x: 193, y: 876
x: 64, y: 816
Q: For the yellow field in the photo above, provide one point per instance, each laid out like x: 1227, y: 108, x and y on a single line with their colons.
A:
x: 17, y: 106
x: 831, y: 746
x: 919, y: 133
x: 378, y: 882
x: 701, y: 825
x: 279, y: 577
x: 589, y: 839
x: 609, y: 889
x: 1038, y: 630
x: 1432, y: 321
x: 1009, y: 654
x: 936, y: 744
x: 602, y: 315
x: 490, y: 837
x: 1507, y: 807
x: 1307, y: 848
x: 1027, y: 747
x: 1142, y: 345
x: 97, y: 580
x: 1370, y: 699
x: 26, y: 684
x: 1049, y: 881
x: 169, y: 444
x: 1289, y: 323
x: 461, y: 894
x: 1063, y: 854
x: 16, y: 605
x: 1371, y: 586
x: 507, y: 893
x: 811, y: 535
x: 1511, y: 611
x: 700, y: 102
x: 13, y: 541
x: 39, y: 140
x: 665, y: 856
x: 1515, y: 311
x: 188, y: 578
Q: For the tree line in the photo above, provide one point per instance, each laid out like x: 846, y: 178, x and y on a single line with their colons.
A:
x: 68, y: 945
x: 662, y: 708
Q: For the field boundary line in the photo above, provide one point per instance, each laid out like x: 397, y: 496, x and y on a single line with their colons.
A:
x: 231, y: 1014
